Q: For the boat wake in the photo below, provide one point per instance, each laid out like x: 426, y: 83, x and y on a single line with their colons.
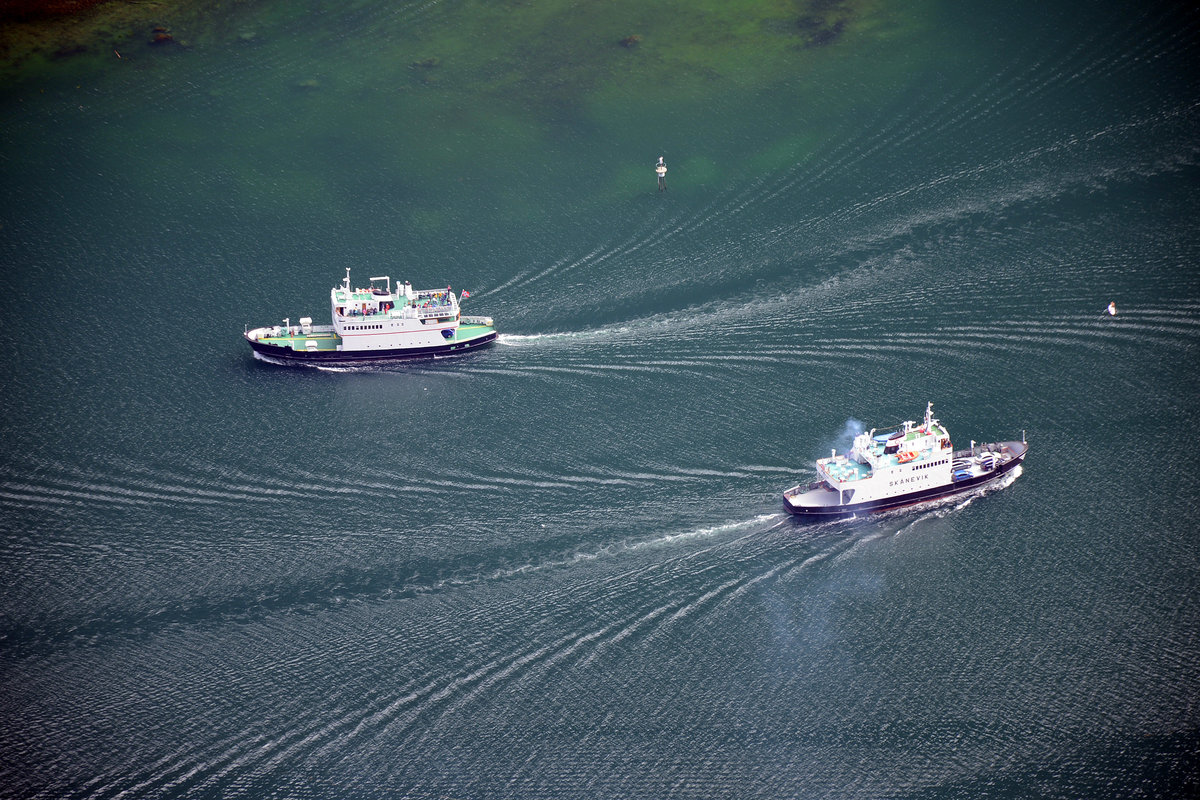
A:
x: 944, y: 507
x: 529, y: 339
x: 268, y: 359
x: 755, y: 526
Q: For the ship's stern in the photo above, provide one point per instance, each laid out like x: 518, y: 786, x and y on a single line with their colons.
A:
x: 814, y: 500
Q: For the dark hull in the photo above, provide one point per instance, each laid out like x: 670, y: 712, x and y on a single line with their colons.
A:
x: 1019, y: 450
x: 340, y: 358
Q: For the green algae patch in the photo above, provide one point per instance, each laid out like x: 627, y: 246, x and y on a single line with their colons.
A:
x: 42, y: 39
x: 699, y: 171
x: 515, y: 104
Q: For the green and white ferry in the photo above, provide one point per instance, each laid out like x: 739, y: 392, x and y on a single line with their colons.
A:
x: 376, y: 324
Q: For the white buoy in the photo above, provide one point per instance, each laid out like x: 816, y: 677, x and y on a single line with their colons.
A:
x: 1112, y: 309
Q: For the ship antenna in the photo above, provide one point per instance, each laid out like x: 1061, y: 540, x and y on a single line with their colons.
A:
x: 346, y: 283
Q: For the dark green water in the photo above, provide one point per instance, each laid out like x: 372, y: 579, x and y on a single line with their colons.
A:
x: 560, y: 567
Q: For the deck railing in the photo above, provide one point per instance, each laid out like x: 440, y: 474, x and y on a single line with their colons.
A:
x: 441, y: 310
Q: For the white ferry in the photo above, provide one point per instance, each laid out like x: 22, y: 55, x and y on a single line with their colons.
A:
x: 904, y: 465
x: 376, y: 324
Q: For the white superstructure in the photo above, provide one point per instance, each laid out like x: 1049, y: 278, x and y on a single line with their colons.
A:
x: 376, y: 318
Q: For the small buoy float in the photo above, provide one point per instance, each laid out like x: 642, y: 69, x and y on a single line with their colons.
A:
x: 1112, y: 309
